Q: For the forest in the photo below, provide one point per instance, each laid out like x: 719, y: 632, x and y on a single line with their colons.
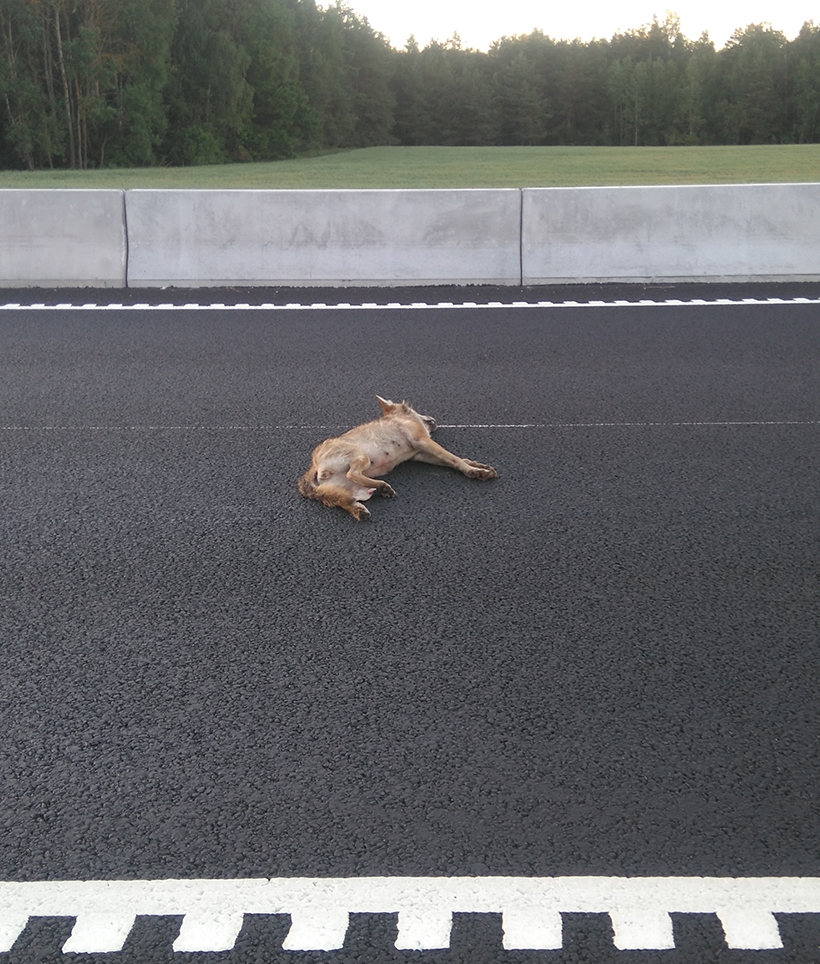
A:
x: 133, y: 83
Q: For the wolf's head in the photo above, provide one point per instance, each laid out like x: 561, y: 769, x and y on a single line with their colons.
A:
x: 402, y: 408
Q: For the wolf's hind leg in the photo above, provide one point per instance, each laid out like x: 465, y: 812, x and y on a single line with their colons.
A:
x: 356, y: 474
x: 337, y: 495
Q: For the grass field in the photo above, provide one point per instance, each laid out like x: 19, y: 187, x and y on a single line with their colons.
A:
x: 465, y: 167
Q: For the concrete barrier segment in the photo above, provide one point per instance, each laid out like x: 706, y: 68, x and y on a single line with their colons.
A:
x: 737, y: 232
x: 380, y: 237
x: 55, y: 238
x: 362, y: 237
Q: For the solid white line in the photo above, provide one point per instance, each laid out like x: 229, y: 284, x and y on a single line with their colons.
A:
x: 413, y: 306
x: 531, y: 908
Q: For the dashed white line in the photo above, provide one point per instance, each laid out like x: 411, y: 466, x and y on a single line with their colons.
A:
x: 737, y: 423
x: 411, y: 306
x: 631, y: 424
x: 319, y: 908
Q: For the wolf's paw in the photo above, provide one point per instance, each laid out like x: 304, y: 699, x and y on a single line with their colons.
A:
x: 480, y: 471
x: 360, y: 512
x: 387, y: 491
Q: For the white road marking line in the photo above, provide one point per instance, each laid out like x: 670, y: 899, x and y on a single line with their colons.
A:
x: 750, y: 928
x: 531, y: 908
x: 316, y: 929
x: 209, y: 931
x: 11, y: 926
x: 99, y: 933
x: 424, y: 928
x: 629, y: 424
x: 532, y: 929
x: 642, y: 928
x: 339, y: 428
x: 414, y: 306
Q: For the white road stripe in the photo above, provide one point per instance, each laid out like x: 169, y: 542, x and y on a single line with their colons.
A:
x: 531, y: 908
x: 642, y: 928
x: 411, y: 306
x: 208, y: 931
x: 339, y: 428
x: 630, y: 424
x: 532, y: 929
x: 100, y: 933
x: 751, y: 928
x: 11, y: 926
x: 316, y: 929
x: 424, y: 928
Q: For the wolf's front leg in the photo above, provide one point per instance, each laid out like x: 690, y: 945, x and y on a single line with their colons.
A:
x: 478, y: 470
x: 435, y: 454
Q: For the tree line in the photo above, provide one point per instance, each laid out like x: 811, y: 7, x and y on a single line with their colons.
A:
x: 116, y: 83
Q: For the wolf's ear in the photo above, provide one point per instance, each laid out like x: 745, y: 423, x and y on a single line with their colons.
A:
x: 386, y: 405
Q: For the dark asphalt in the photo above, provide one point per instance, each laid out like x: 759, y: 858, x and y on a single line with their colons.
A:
x: 603, y: 662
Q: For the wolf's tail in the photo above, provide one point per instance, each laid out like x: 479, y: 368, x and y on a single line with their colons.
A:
x: 307, y: 485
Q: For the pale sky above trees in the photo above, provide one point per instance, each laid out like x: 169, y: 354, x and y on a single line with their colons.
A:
x: 479, y: 23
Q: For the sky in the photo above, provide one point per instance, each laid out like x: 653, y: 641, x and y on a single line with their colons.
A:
x: 480, y: 22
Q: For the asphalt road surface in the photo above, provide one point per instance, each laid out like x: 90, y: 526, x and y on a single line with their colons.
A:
x: 603, y: 664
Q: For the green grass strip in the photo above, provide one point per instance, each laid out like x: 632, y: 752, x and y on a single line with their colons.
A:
x: 465, y: 167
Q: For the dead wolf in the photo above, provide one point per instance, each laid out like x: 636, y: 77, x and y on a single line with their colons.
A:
x: 345, y: 471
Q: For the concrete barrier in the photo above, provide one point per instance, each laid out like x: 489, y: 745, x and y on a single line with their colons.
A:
x: 413, y: 237
x: 748, y: 232
x: 56, y: 238
x: 745, y: 232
